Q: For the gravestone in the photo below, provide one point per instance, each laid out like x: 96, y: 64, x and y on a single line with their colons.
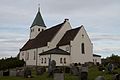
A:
x: 100, y: 78
x: 84, y: 73
x: 27, y: 73
x: 51, y: 68
x: 1, y: 73
x: 116, y: 77
x: 110, y: 67
x: 6, y: 73
x: 58, y: 76
x: 13, y: 72
x: 40, y: 71
x: 74, y: 70
x: 67, y: 69
x: 20, y: 72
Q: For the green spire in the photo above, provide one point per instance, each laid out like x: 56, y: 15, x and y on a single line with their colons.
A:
x: 38, y: 20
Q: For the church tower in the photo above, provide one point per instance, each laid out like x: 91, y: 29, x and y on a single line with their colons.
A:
x: 37, y: 26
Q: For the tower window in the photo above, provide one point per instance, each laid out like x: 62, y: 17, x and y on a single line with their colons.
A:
x: 82, y: 48
x: 38, y: 29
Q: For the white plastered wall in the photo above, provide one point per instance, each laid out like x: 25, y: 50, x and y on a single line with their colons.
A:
x: 76, y: 54
x: 96, y: 59
x: 55, y: 57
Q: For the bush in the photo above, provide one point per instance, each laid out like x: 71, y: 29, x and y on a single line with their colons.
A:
x: 11, y: 63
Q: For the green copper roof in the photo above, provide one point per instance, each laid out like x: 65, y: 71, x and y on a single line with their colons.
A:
x: 38, y: 20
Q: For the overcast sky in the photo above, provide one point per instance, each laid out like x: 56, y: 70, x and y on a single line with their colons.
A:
x: 101, y: 19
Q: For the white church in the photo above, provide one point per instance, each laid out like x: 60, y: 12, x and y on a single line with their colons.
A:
x: 61, y: 43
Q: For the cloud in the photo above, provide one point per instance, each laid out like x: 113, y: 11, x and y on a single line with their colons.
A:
x: 106, y: 37
x: 100, y: 17
x: 107, y: 51
x: 10, y: 43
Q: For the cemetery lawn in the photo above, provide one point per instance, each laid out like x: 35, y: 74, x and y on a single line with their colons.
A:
x: 93, y: 73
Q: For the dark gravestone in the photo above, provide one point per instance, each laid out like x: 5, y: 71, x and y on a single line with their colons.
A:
x: 58, y: 76
x: 110, y: 67
x: 20, y: 72
x: 100, y: 78
x: 74, y: 70
x: 57, y: 70
x: 67, y: 70
x: 12, y: 72
x: 1, y: 73
x: 40, y: 71
x: 101, y: 68
x: 27, y: 73
x: 116, y: 77
x: 51, y: 68
x: 84, y: 73
x: 6, y: 73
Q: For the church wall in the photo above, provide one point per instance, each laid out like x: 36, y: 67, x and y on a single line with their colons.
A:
x: 29, y: 56
x: 76, y: 54
x: 22, y: 55
x: 96, y: 59
x: 40, y: 50
x: 54, y: 57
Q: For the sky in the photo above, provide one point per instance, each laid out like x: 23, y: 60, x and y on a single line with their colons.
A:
x: 101, y: 19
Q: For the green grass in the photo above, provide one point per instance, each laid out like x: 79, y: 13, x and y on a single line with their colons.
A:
x: 93, y: 73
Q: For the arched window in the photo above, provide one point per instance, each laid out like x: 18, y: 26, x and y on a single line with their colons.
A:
x: 65, y: 60
x: 45, y: 60
x: 38, y: 29
x: 60, y: 60
x: 83, y: 48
